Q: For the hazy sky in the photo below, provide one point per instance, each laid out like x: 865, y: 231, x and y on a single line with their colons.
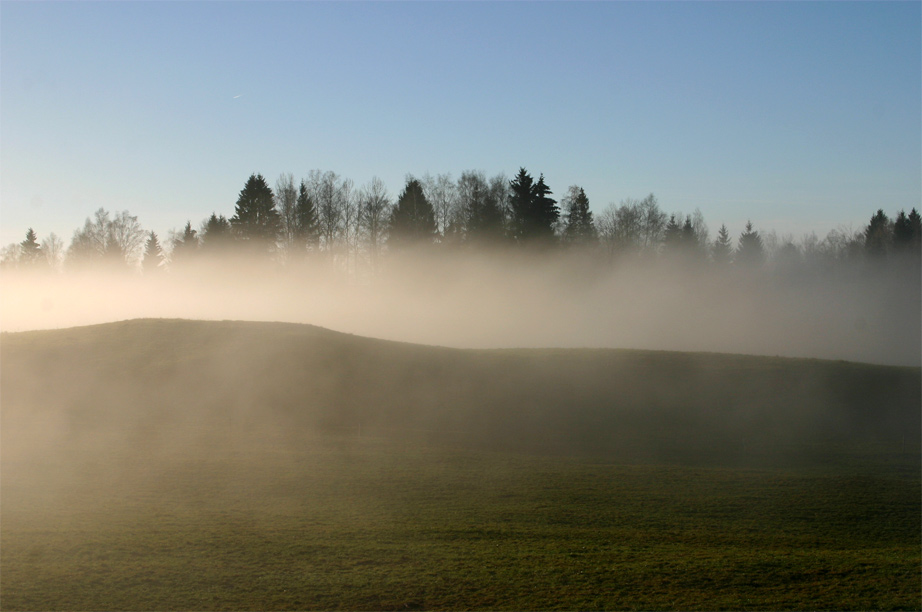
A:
x: 800, y: 116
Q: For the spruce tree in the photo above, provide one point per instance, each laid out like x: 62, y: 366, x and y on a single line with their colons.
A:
x: 579, y: 228
x: 751, y: 251
x: 878, y: 236
x: 412, y: 219
x: 216, y: 234
x: 30, y: 250
x: 256, y: 219
x: 520, y: 204
x: 545, y: 213
x: 153, y: 254
x: 308, y: 226
x: 723, y: 248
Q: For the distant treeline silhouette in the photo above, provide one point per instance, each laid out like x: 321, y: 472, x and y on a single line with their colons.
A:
x: 326, y: 218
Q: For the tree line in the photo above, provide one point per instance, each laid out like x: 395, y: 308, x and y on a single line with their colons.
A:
x: 325, y: 217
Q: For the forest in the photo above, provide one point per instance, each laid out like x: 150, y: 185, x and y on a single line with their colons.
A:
x: 325, y: 218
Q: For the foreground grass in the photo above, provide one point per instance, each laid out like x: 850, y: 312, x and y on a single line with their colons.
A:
x: 369, y: 524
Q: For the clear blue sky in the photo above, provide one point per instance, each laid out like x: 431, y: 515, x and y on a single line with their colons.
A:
x: 800, y: 116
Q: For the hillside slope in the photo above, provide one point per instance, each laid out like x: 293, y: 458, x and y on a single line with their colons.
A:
x: 153, y: 382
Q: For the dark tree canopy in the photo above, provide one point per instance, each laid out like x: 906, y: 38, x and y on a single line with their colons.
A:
x: 30, y: 250
x: 534, y: 212
x: 307, y: 227
x: 152, y: 259
x: 751, y: 251
x: 412, y: 219
x: 256, y: 219
x: 723, y: 248
x: 579, y: 228
x: 216, y: 233
x: 878, y: 235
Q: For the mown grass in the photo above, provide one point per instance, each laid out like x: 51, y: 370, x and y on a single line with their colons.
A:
x: 376, y: 525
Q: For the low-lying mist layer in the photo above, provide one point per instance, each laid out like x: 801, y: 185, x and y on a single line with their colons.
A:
x: 498, y: 300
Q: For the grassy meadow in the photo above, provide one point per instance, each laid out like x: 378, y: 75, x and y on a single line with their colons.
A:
x: 227, y: 466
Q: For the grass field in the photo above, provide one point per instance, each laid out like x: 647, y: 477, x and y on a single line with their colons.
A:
x: 145, y: 465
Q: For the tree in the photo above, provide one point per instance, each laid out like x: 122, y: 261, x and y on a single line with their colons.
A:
x: 307, y: 232
x: 374, y: 205
x: 907, y: 231
x: 579, y: 227
x: 534, y: 212
x: 441, y: 191
x: 750, y: 251
x: 878, y: 236
x: 53, y: 248
x: 412, y: 219
x: 481, y: 213
x: 153, y: 255
x: 30, y: 252
x: 216, y: 234
x: 116, y: 241
x: 286, y: 202
x: 723, y: 248
x: 256, y: 220
x: 185, y: 244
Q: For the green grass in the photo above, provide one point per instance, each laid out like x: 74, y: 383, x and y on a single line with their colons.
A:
x: 156, y: 465
x: 370, y: 524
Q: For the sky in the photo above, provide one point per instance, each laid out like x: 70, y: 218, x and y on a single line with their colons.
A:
x: 802, y: 117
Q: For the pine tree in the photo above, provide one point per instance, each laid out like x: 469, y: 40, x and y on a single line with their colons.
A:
x: 672, y: 238
x: 751, y: 251
x: 722, y: 248
x: 256, y: 219
x: 412, y: 219
x: 30, y: 250
x: 185, y: 244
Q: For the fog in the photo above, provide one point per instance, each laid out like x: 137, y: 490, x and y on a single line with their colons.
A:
x: 496, y: 299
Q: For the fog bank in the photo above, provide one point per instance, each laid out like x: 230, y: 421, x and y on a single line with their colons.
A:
x: 495, y: 300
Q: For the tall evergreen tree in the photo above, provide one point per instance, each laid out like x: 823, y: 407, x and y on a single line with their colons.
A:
x: 256, y: 219
x: 185, y: 244
x: 412, y: 219
x: 546, y: 211
x: 534, y: 212
x: 152, y: 260
x: 520, y: 204
x: 751, y: 251
x: 30, y: 251
x: 308, y: 225
x: 216, y: 234
x: 878, y: 235
x: 579, y: 227
x: 723, y: 248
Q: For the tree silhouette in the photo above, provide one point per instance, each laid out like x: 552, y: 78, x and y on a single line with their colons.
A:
x: 412, y: 219
x: 216, y: 234
x: 30, y: 251
x: 723, y: 248
x: 307, y: 227
x: 878, y: 235
x: 751, y: 251
x: 256, y: 219
x: 579, y: 228
x: 534, y: 212
x: 152, y: 260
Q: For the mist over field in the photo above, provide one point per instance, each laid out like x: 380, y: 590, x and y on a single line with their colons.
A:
x: 496, y: 299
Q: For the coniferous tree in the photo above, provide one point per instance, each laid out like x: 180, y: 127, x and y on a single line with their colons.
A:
x: 878, y: 236
x: 308, y: 225
x: 30, y: 251
x: 185, y: 244
x: 520, y: 204
x: 672, y: 237
x: 412, y: 219
x: 579, y: 227
x: 256, y: 219
x: 723, y: 248
x: 751, y: 251
x: 152, y: 260
x: 546, y: 211
x: 216, y: 234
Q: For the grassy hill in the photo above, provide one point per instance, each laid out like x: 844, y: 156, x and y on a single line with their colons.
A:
x: 152, y: 378
x: 159, y: 464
